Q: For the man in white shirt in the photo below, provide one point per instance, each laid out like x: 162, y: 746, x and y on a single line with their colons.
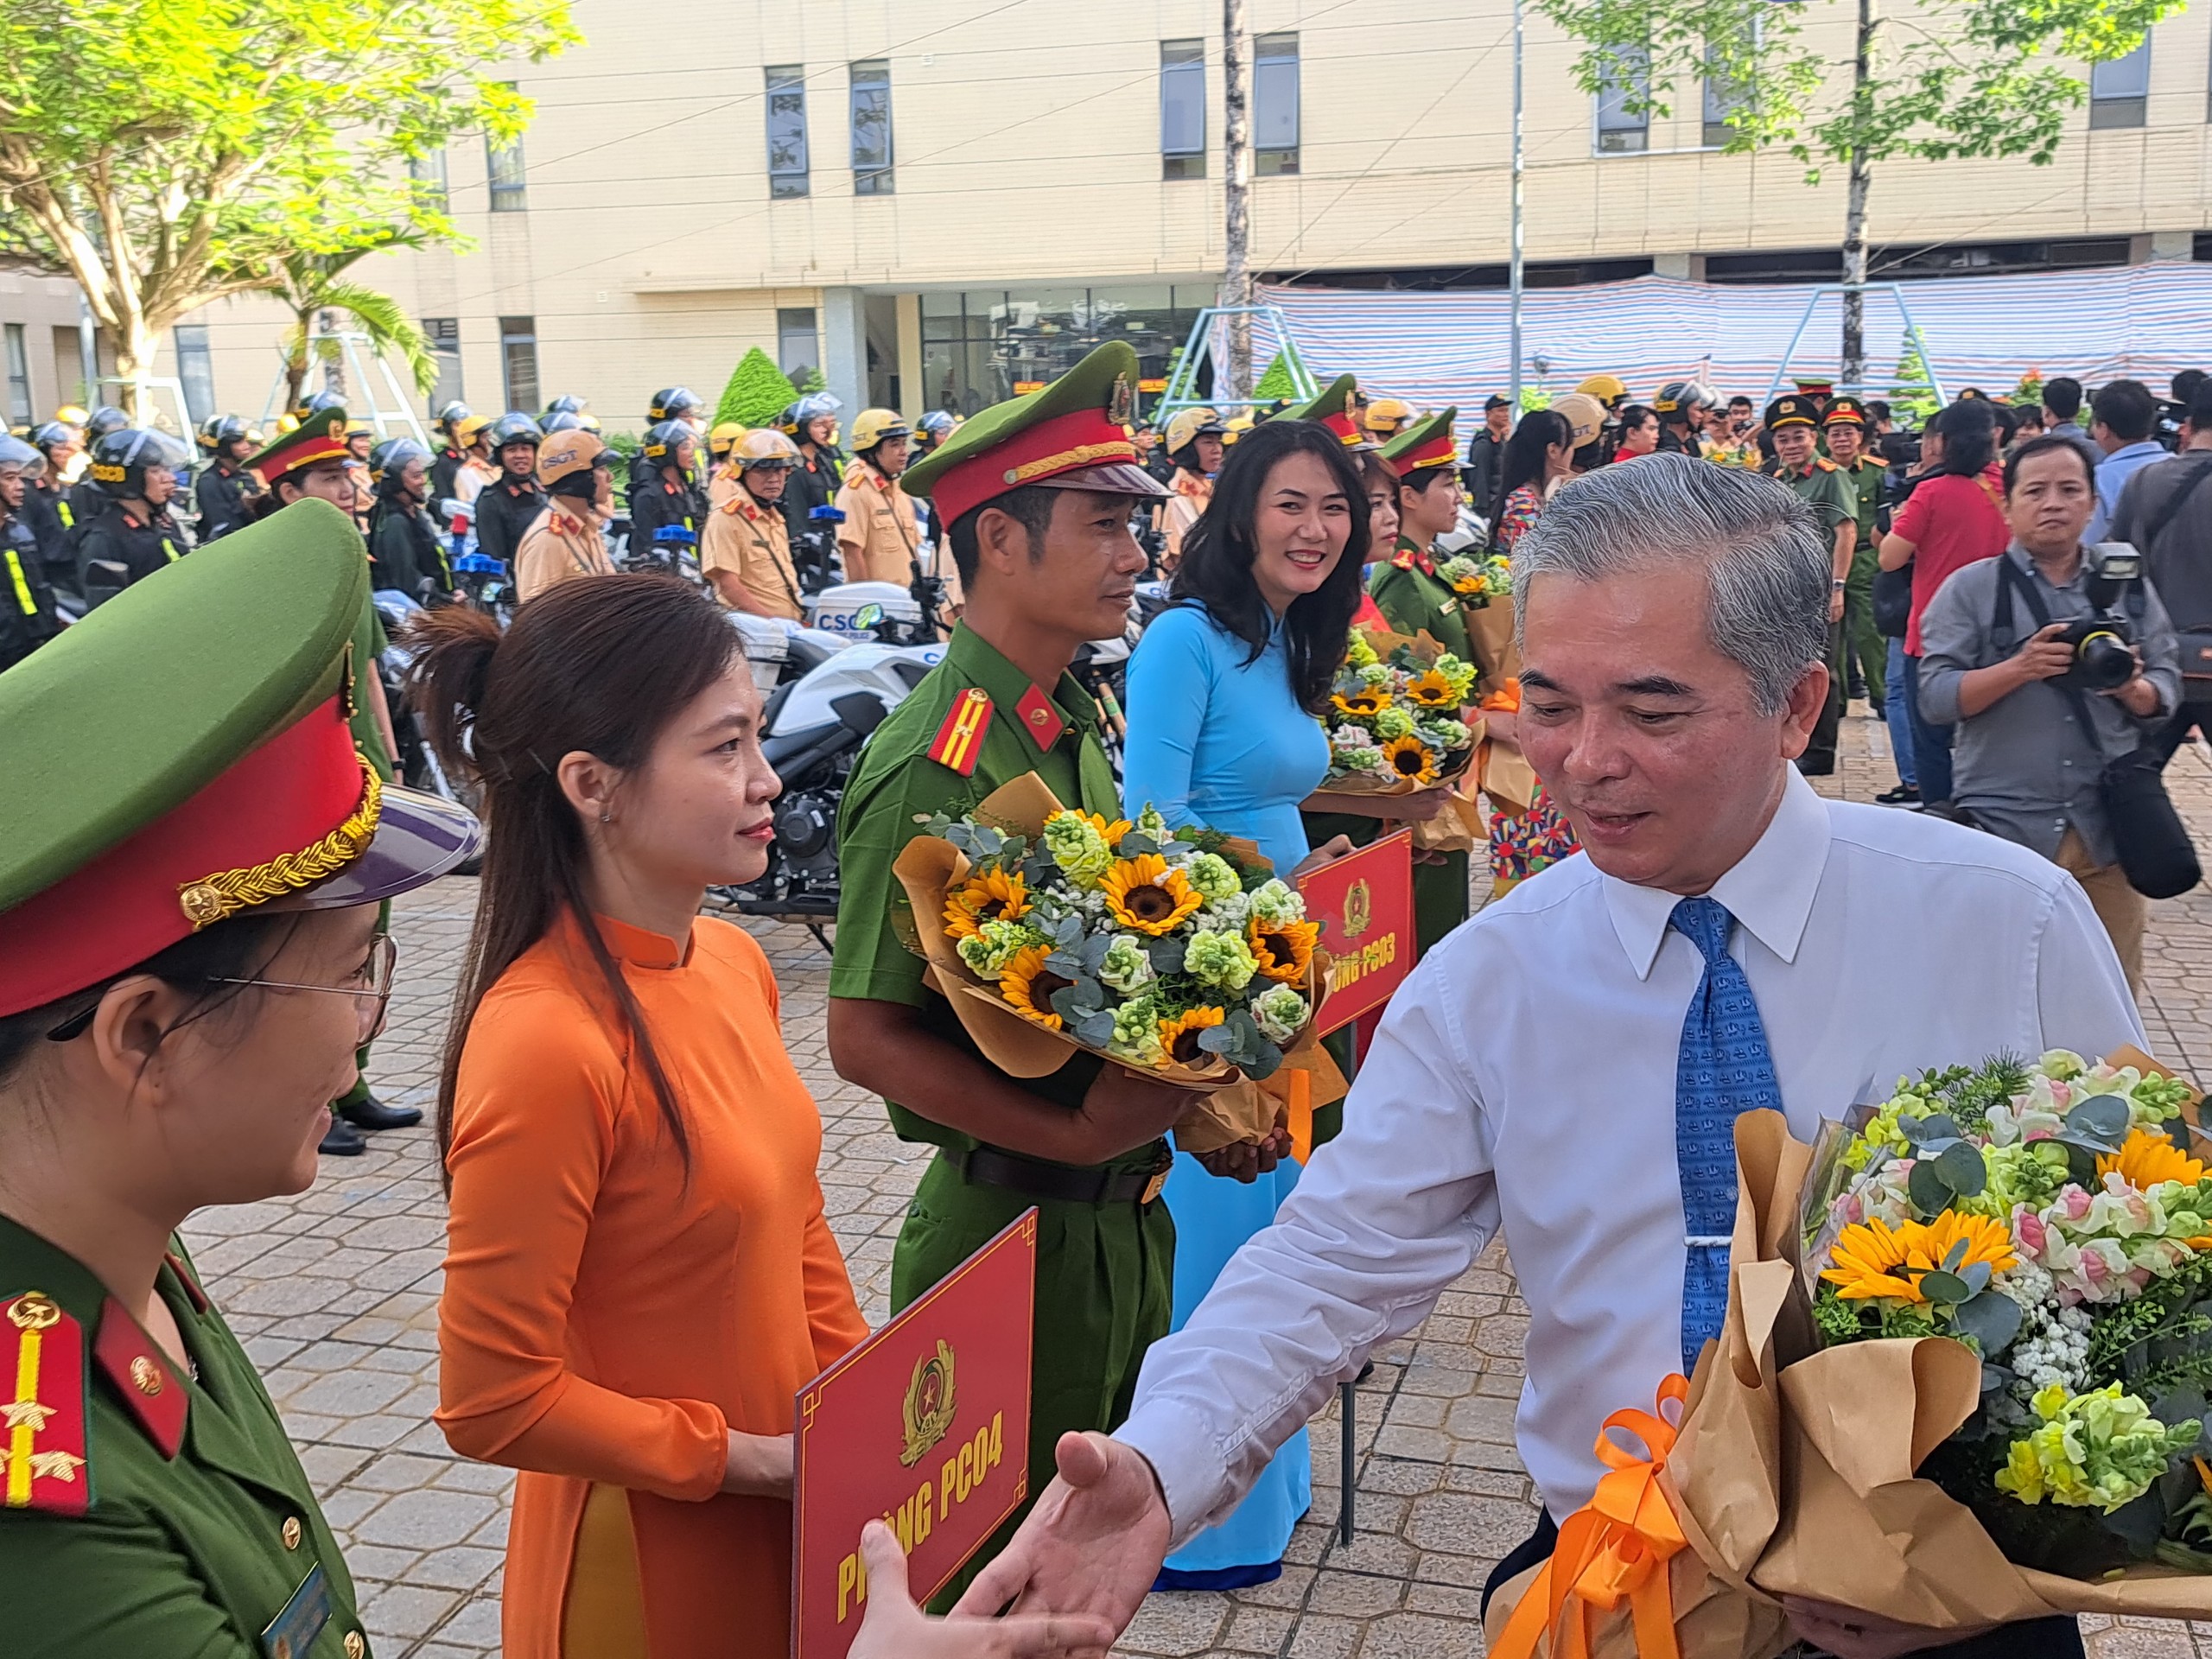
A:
x: 1727, y: 938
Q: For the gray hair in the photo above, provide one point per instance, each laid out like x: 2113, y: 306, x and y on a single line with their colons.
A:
x: 1767, y: 562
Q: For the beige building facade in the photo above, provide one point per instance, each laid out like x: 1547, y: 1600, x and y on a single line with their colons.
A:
x: 942, y: 205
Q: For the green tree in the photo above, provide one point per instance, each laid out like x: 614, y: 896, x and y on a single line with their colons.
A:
x: 758, y: 392
x: 168, y: 153
x: 1953, y: 78
x: 1914, y: 397
x: 314, y: 286
x: 1275, y: 385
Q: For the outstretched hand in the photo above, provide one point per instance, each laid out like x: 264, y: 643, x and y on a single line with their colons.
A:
x: 896, y: 1629
x: 1092, y: 1546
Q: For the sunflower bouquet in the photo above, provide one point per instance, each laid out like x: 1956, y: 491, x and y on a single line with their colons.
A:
x: 2046, y: 1217
x: 1394, y: 721
x: 1479, y: 581
x: 1175, y: 952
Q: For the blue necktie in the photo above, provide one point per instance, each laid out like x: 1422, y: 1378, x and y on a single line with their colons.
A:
x: 1724, y: 1068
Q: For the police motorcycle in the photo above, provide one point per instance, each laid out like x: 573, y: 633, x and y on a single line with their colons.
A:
x: 815, y: 557
x: 477, y: 576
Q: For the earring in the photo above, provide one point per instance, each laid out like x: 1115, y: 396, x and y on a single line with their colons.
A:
x: 607, y: 818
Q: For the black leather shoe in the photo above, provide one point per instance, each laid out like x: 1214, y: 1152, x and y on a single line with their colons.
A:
x: 370, y: 1113
x: 1903, y: 795
x: 341, y: 1139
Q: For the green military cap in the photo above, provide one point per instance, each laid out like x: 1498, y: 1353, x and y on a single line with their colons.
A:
x: 319, y: 436
x: 1793, y: 410
x: 1845, y: 410
x: 1335, y: 406
x: 1425, y: 443
x: 1070, y: 435
x: 182, y: 754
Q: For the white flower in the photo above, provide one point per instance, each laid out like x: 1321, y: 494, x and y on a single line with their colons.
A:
x: 1279, y: 1012
x: 1275, y: 901
x: 1126, y: 967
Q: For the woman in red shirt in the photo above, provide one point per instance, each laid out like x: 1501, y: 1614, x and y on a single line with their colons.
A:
x: 1952, y: 520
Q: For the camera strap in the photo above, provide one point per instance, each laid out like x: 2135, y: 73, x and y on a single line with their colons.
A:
x: 2008, y: 577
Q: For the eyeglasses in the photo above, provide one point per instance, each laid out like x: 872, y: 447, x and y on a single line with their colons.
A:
x: 370, y: 987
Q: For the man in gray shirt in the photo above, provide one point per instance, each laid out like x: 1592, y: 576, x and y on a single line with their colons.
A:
x: 2024, y: 766
x: 2173, y: 499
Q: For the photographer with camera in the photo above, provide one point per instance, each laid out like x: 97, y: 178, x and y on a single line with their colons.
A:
x: 2055, y: 661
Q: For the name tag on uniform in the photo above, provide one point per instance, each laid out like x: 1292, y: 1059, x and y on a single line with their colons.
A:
x: 293, y: 1632
x: 1447, y: 605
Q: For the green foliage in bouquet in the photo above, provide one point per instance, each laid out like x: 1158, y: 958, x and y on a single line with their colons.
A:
x: 2051, y: 1217
x: 1479, y: 581
x: 1397, y: 720
x: 1156, y: 948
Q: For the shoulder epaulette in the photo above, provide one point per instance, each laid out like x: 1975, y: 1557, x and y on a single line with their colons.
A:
x: 1822, y: 464
x: 959, y: 741
x: 42, y: 1408
x: 1403, y: 558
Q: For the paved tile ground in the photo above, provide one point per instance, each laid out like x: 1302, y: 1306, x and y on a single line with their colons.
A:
x: 334, y: 1293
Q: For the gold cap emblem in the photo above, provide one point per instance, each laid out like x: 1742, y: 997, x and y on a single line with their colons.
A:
x: 1123, y: 406
x: 146, y: 1377
x: 291, y: 1532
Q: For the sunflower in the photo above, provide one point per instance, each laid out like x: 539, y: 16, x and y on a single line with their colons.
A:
x: 1178, y: 1033
x: 1410, y: 758
x: 2143, y: 1160
x: 1986, y: 1240
x: 1143, y: 894
x: 1362, y: 704
x: 1283, y: 949
x: 1861, y: 1264
x: 1027, y: 985
x: 993, y: 896
x: 1432, y: 690
x: 1109, y: 833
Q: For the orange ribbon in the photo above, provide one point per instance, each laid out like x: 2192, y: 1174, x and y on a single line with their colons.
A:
x: 1299, y: 1110
x: 1614, y: 1549
x: 1506, y: 700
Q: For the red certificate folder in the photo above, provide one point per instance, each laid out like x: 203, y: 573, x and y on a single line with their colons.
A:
x: 1364, y: 903
x: 925, y: 1425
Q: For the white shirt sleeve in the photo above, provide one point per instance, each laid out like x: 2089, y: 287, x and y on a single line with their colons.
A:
x: 2081, y: 996
x: 1383, y: 1222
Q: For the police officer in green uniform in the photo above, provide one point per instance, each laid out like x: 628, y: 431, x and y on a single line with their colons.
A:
x: 189, y: 953
x: 1414, y: 600
x: 1038, y: 494
x: 1793, y: 423
x: 1843, y: 426
x: 313, y: 461
x: 136, y: 469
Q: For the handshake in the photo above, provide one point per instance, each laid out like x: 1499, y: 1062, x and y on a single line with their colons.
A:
x: 1074, y: 1575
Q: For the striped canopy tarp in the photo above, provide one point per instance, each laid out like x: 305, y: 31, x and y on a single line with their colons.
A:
x: 2145, y: 320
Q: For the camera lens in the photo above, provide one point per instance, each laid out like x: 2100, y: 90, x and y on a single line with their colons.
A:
x: 2104, y: 661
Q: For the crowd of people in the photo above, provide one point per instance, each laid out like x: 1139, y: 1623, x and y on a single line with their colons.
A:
x: 195, y: 949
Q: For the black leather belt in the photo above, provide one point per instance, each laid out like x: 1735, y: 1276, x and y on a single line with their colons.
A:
x: 1035, y: 1179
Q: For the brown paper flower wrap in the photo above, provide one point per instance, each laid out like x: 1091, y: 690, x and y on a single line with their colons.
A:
x: 1227, y: 1106
x: 1794, y: 1473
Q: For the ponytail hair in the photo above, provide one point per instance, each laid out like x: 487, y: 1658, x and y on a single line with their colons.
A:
x: 600, y: 666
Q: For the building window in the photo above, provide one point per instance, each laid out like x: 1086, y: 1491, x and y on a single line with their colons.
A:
x: 19, y: 377
x: 786, y: 131
x: 428, y: 173
x: 503, y: 163
x: 444, y: 335
x: 2119, y: 89
x: 1275, y: 105
x: 1624, y: 126
x: 871, y: 127
x: 519, y: 361
x: 799, y: 349
x: 195, y: 368
x: 1724, y: 96
x: 1182, y: 109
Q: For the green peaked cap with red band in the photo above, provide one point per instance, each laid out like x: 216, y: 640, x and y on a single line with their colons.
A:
x: 1335, y: 406
x: 1070, y: 435
x: 321, y: 436
x: 182, y: 755
x: 1425, y: 443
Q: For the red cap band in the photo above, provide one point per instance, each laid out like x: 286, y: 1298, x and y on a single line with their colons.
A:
x: 124, y: 906
x: 1083, y: 437
x: 1437, y: 452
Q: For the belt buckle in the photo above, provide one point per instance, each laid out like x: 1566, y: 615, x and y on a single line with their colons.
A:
x: 1162, y: 1167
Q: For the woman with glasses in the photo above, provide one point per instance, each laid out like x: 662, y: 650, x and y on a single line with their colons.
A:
x: 189, y: 956
x: 640, y: 1277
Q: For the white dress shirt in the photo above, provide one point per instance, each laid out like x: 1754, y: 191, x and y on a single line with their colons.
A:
x: 1524, y: 1079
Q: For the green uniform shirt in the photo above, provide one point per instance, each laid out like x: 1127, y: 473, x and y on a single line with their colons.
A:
x: 1865, y: 477
x: 194, y: 1556
x: 895, y: 783
x: 1412, y: 596
x: 1827, y: 487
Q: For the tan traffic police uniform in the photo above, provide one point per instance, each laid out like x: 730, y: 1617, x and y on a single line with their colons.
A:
x: 753, y: 544
x: 880, y: 534
x: 559, y: 547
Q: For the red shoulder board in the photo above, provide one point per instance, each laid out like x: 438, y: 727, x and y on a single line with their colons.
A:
x: 1403, y: 558
x: 1040, y: 718
x: 42, y: 1408
x: 959, y: 742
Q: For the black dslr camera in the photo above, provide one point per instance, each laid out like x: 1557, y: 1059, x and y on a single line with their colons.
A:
x: 2104, y: 657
